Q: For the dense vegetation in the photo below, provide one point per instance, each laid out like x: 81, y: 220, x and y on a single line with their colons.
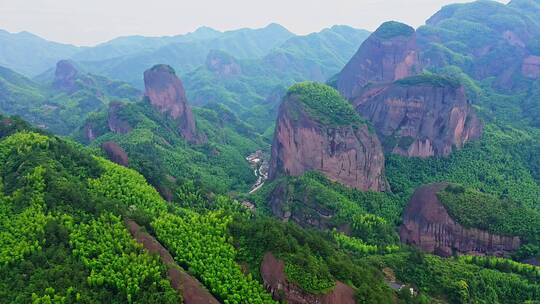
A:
x: 391, y: 29
x: 457, y: 281
x: 324, y: 104
x: 59, y: 111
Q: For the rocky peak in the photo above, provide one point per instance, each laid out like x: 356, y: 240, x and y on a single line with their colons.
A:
x: 421, y: 116
x: 165, y: 92
x: 390, y: 53
x: 222, y: 64
x: 427, y: 225
x: 65, y: 76
x: 318, y: 130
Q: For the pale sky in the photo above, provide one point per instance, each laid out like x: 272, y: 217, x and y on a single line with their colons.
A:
x: 88, y: 22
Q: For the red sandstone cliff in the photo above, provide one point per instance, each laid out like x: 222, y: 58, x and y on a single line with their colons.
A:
x: 390, y: 53
x: 427, y: 225
x: 347, y: 154
x: 165, y: 92
x: 275, y: 280
x: 418, y: 117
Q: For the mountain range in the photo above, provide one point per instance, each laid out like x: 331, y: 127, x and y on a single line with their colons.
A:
x: 259, y: 166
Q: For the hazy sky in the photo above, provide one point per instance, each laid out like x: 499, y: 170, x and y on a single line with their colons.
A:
x: 88, y: 22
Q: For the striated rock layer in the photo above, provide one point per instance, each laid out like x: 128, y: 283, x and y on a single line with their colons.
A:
x: 389, y: 54
x: 348, y: 154
x: 275, y: 281
x: 416, y: 117
x: 165, y: 92
x: 427, y: 225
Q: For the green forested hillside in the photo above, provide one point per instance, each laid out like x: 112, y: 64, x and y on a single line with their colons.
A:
x: 56, y: 110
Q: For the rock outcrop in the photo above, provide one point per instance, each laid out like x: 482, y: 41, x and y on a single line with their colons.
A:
x: 275, y: 281
x: 420, y: 116
x: 428, y: 226
x: 115, y: 153
x: 389, y: 54
x: 223, y: 64
x: 348, y: 153
x: 165, y: 92
x: 65, y: 76
x: 115, y: 123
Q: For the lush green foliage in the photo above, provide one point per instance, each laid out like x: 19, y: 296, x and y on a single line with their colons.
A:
x: 487, y: 212
x: 105, y: 246
x: 392, y: 29
x: 58, y: 111
x: 324, y: 104
x: 128, y: 188
x: 21, y: 232
x: 457, y: 281
x: 497, y: 164
x: 370, y: 215
x: 313, y: 259
x: 199, y: 242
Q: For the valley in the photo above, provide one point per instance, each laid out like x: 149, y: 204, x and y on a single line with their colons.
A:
x: 398, y: 166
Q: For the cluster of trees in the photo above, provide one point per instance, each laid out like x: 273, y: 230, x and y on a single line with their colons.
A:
x: 505, y: 265
x: 358, y: 246
x: 21, y: 233
x: 371, y: 214
x: 458, y: 281
x: 324, y: 104
x: 128, y: 188
x: 496, y: 164
x: 314, y: 260
x: 105, y: 246
x: 199, y: 242
x: 504, y: 216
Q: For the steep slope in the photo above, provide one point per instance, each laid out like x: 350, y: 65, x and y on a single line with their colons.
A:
x: 420, y: 116
x: 166, y: 94
x: 318, y: 130
x: 389, y: 54
x: 426, y: 224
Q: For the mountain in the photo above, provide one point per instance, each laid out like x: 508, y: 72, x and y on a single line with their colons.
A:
x: 389, y: 54
x: 63, y: 101
x: 318, y: 130
x: 29, y: 54
x: 166, y: 94
x: 420, y: 116
x: 415, y: 114
x: 446, y: 237
x: 252, y: 89
x: 173, y: 145
x: 188, y: 53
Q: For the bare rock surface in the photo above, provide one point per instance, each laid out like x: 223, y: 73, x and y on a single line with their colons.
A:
x: 275, y: 281
x: 428, y: 226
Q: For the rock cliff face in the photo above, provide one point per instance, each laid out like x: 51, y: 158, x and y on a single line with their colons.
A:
x: 68, y: 78
x: 427, y: 225
x: 115, y: 153
x: 275, y: 281
x: 115, y: 123
x: 390, y: 53
x: 165, y: 92
x: 349, y: 154
x: 420, y: 116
